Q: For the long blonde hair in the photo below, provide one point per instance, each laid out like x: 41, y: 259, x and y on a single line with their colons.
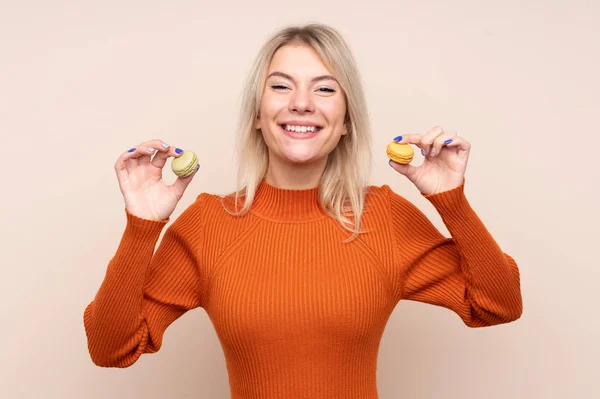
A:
x: 344, y: 183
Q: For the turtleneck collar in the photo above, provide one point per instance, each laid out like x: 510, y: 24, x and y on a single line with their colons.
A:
x: 287, y: 205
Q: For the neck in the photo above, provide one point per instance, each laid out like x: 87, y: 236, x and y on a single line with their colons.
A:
x: 293, y: 176
x: 287, y: 205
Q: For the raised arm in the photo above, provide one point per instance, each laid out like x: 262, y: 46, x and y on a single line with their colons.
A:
x: 467, y: 272
x: 144, y: 291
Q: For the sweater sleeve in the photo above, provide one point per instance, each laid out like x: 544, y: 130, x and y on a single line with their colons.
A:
x: 144, y: 291
x: 467, y: 273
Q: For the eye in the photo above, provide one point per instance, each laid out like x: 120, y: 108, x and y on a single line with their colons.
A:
x: 327, y: 89
x: 278, y: 87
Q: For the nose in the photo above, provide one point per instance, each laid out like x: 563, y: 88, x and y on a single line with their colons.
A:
x: 301, y: 102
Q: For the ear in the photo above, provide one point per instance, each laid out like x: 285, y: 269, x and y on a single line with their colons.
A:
x: 257, y: 123
x: 347, y: 124
x: 346, y: 128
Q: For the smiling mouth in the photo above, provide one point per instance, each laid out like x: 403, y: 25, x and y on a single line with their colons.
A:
x: 301, y: 134
x: 300, y: 130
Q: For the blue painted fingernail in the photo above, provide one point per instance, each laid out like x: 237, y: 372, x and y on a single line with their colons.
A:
x: 178, y: 150
x: 132, y: 150
x: 422, y: 152
x: 398, y: 138
x: 197, y: 167
x: 432, y: 152
x: 448, y: 141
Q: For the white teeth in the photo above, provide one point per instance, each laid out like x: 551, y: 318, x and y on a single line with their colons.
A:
x: 300, y: 129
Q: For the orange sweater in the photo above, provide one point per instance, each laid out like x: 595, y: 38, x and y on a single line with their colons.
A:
x: 298, y: 312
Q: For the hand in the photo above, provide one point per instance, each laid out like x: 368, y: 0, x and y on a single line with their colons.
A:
x: 446, y: 157
x: 140, y: 180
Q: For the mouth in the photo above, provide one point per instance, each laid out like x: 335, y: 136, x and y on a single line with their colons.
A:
x: 304, y: 132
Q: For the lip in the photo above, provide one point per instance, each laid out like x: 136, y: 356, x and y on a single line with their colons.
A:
x: 299, y: 136
x: 300, y: 123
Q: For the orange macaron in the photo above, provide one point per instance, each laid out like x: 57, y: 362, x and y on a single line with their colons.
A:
x: 400, y: 152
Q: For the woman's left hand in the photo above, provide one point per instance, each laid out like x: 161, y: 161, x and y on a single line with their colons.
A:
x: 446, y: 155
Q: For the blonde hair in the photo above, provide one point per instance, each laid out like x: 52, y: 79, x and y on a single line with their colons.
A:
x: 344, y: 183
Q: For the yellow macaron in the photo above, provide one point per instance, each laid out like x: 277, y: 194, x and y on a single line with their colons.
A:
x: 185, y: 164
x: 400, y: 152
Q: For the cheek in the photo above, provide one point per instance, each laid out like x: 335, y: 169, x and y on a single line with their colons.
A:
x: 335, y: 111
x: 271, y: 105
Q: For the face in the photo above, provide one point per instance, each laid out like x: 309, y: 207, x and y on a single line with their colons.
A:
x: 302, y: 108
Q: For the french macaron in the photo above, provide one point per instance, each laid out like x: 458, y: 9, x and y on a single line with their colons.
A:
x: 185, y: 164
x: 400, y: 152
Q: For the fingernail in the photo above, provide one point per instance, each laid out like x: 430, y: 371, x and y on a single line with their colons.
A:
x: 178, y: 150
x: 165, y: 145
x: 398, y: 138
x: 432, y: 152
x: 448, y: 141
x: 390, y: 162
x: 422, y: 152
x: 197, y: 167
x: 132, y: 150
x: 150, y: 149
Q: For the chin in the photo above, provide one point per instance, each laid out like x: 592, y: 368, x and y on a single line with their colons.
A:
x: 299, y: 156
x: 299, y: 160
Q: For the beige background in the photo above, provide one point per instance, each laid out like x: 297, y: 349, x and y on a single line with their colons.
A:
x: 80, y: 84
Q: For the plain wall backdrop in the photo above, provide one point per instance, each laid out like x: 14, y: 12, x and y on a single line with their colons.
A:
x: 82, y: 82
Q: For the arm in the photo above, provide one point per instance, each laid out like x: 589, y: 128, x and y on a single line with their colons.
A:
x: 144, y: 292
x: 467, y: 273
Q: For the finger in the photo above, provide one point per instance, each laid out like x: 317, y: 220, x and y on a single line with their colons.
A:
x: 153, y: 147
x: 409, y: 139
x: 140, y: 153
x: 121, y: 166
x: 441, y: 141
x: 160, y: 159
x: 407, y: 170
x: 414, y: 139
x: 429, y: 138
x: 424, y: 142
x: 181, y: 183
x: 463, y: 146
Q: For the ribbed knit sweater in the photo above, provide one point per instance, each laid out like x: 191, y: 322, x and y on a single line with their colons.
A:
x: 299, y: 313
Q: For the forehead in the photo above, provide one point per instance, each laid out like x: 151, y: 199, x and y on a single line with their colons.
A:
x: 299, y: 60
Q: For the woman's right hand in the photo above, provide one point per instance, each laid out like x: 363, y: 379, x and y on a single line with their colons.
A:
x: 140, y: 180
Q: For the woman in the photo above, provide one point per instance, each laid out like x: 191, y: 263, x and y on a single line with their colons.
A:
x: 298, y: 306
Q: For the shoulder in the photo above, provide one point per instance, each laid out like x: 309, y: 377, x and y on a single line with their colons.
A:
x: 384, y: 195
x: 196, y: 210
x: 214, y: 201
x: 399, y: 206
x: 221, y: 209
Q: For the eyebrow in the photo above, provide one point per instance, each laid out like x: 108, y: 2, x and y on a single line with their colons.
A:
x: 315, y: 79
